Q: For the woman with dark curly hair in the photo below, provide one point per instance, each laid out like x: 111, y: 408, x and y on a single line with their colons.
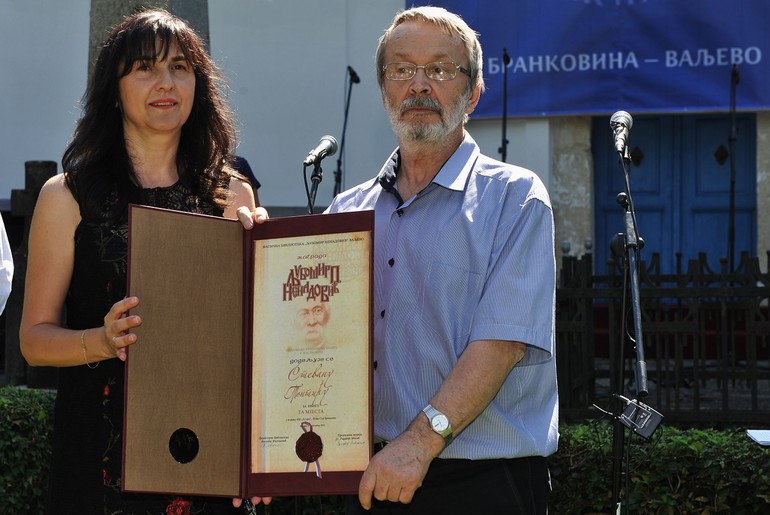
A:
x: 156, y: 131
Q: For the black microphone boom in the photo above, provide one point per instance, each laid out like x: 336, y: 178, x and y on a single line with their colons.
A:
x: 326, y: 147
x: 353, y: 75
x: 621, y: 123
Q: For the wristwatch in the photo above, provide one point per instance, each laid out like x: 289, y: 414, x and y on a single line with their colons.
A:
x: 439, y: 423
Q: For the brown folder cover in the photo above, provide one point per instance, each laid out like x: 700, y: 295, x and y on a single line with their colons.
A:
x: 252, y: 372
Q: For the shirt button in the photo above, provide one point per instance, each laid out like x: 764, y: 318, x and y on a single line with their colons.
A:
x: 391, y: 261
x: 382, y: 314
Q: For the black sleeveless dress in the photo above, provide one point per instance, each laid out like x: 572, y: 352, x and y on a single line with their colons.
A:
x: 88, y: 418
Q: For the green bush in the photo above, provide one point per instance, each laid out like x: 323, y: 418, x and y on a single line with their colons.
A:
x: 26, y: 424
x: 677, y: 471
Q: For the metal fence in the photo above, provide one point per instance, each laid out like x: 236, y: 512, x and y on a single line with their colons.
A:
x: 705, y: 336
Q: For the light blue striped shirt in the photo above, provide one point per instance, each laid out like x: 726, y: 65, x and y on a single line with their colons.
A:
x: 471, y: 257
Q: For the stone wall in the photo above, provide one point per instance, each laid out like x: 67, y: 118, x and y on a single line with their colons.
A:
x: 105, y: 14
x: 571, y: 187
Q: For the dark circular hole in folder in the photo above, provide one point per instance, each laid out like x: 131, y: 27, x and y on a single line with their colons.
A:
x: 183, y: 445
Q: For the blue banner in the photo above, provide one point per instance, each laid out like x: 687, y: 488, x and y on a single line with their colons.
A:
x: 598, y: 56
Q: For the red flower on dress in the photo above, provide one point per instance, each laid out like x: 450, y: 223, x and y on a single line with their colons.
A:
x: 107, y: 391
x: 178, y: 507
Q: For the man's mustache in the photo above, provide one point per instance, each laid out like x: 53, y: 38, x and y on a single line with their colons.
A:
x: 421, y: 103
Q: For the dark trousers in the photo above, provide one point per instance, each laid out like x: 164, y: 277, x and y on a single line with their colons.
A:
x: 518, y: 486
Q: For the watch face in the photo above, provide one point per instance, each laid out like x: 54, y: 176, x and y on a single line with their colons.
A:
x: 440, y: 423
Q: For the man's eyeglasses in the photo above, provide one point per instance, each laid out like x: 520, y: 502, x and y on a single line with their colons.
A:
x: 436, y: 71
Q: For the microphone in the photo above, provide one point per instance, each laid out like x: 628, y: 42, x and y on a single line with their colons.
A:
x: 621, y: 123
x: 326, y: 147
x: 353, y: 75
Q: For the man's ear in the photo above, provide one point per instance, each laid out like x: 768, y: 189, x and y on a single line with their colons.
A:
x: 473, y: 99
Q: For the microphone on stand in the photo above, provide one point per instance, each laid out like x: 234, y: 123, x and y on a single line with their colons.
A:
x: 621, y: 123
x: 326, y: 147
x: 353, y: 75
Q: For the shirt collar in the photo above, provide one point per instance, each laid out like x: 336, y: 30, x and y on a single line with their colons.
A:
x: 453, y: 175
x: 387, y: 175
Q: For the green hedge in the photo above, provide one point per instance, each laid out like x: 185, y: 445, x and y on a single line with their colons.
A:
x: 678, y: 471
x: 26, y: 424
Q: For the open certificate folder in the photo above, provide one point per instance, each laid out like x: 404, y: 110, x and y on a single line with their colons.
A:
x: 252, y: 374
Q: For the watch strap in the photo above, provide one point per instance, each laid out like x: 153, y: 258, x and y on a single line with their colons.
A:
x: 432, y: 413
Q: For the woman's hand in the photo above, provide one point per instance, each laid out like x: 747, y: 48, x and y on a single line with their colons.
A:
x: 249, y: 217
x: 118, y: 325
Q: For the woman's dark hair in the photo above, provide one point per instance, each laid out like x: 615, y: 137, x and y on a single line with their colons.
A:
x: 96, y: 163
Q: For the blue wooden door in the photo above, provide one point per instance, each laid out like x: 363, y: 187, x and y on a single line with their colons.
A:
x: 680, y: 186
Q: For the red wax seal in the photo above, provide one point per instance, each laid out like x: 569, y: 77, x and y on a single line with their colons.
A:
x: 309, y: 447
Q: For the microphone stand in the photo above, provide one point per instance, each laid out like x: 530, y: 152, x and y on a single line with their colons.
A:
x: 734, y: 80
x: 504, y: 146
x: 315, y: 178
x: 352, y: 78
x: 641, y: 419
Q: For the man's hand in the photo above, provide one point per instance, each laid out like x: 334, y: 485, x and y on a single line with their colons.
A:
x: 397, y: 471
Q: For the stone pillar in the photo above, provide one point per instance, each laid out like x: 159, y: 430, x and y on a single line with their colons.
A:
x: 572, y: 184
x: 105, y: 14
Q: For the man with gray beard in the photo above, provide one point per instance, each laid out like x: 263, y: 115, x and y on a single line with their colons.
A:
x: 465, y: 396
